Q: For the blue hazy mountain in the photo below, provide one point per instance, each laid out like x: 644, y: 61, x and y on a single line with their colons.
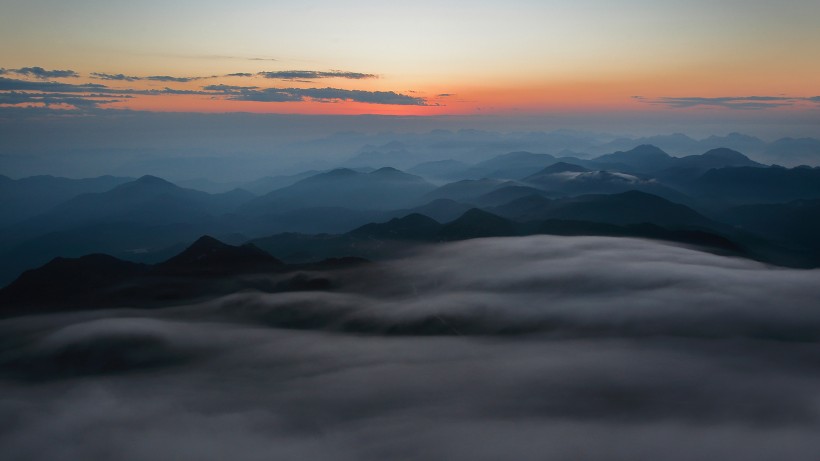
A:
x: 27, y: 197
x: 382, y: 189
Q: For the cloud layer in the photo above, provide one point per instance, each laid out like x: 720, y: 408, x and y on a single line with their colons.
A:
x: 730, y: 102
x: 527, y: 348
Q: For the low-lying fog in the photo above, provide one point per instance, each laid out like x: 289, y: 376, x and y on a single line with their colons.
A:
x: 518, y: 348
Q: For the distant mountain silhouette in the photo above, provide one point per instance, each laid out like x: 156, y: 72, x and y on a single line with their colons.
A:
x: 572, y: 179
x: 28, y: 197
x: 383, y: 189
x: 510, y: 166
x: 758, y: 185
x: 468, y: 189
x: 688, y: 169
x: 477, y: 223
x: 269, y: 184
x: 794, y: 151
x: 442, y: 210
x: 631, y: 207
x: 508, y: 194
x: 411, y: 227
x: 207, y: 267
x: 66, y: 281
x: 645, y: 158
x: 440, y: 169
x: 147, y: 200
x: 209, y: 256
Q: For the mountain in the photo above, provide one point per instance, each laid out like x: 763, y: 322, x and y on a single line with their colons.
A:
x: 147, y: 200
x: 208, y: 267
x: 69, y: 281
x: 758, y: 185
x: 383, y: 189
x: 411, y: 227
x: 632, y: 207
x: 510, y: 166
x: 477, y: 223
x: 508, y: 194
x: 442, y: 170
x: 689, y: 168
x: 645, y: 158
x: 28, y: 197
x: 209, y: 256
x: 792, y: 223
x: 269, y: 184
x: 442, y: 210
x: 467, y: 189
x: 794, y: 151
x: 571, y: 179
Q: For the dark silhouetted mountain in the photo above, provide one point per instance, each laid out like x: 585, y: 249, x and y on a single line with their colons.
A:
x: 468, y: 189
x: 411, y: 227
x: 69, y: 281
x: 574, y: 180
x: 208, y: 267
x: 393, y: 153
x: 510, y: 166
x: 147, y: 200
x: 446, y: 170
x: 794, y: 151
x: 269, y: 184
x: 442, y: 210
x: 383, y: 189
x: 645, y: 158
x: 758, y: 185
x: 508, y: 194
x: 792, y: 223
x: 561, y: 167
x: 209, y: 256
x: 688, y: 169
x: 28, y: 197
x: 632, y: 207
x: 477, y: 223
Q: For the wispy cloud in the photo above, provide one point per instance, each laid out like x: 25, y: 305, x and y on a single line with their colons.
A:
x: 167, y: 78
x: 117, y: 77
x: 39, y: 72
x: 327, y: 95
x: 729, y: 102
x: 313, y: 75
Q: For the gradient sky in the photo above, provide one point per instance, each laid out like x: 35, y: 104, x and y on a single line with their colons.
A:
x: 420, y: 58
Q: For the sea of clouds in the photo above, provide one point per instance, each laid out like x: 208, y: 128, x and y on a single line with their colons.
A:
x: 526, y: 348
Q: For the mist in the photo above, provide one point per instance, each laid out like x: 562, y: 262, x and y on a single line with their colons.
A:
x: 511, y: 348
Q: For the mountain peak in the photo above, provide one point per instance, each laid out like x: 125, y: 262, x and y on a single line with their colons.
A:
x: 149, y: 179
x: 208, y: 255
x: 647, y: 150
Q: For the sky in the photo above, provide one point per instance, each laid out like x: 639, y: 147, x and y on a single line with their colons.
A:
x: 426, y: 58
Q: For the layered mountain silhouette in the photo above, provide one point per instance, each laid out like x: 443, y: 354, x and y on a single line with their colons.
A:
x: 313, y: 215
x: 206, y: 268
x: 28, y: 197
x: 382, y: 189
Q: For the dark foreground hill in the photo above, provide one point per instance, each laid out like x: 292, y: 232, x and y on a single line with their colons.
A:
x: 208, y: 267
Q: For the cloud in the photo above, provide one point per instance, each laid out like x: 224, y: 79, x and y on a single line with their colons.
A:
x: 39, y: 72
x: 312, y: 75
x: 326, y: 95
x: 118, y: 77
x: 228, y: 89
x: 8, y: 84
x: 523, y: 348
x: 730, y: 102
x: 91, y: 101
x: 240, y: 74
x: 166, y: 78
